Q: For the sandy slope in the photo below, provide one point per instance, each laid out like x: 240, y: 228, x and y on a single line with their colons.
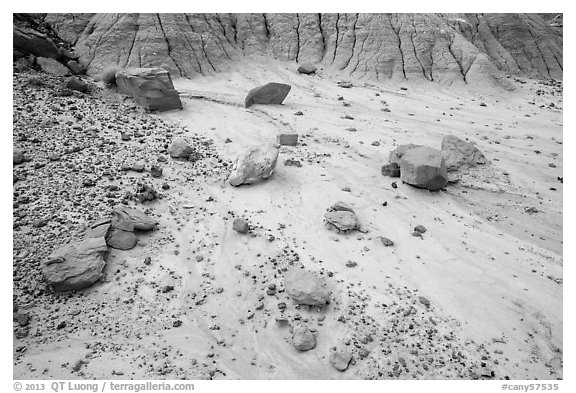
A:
x: 485, y: 264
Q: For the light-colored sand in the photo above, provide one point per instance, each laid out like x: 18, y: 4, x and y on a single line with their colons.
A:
x: 484, y: 262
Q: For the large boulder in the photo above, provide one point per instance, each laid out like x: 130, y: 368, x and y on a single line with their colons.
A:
x: 307, y: 69
x: 424, y: 167
x: 396, y: 154
x: 253, y: 164
x: 271, y: 93
x: 458, y: 153
x: 51, y: 66
x: 306, y: 288
x: 302, y: 338
x: 180, y: 149
x: 76, y: 265
x: 33, y: 42
x: 151, y: 88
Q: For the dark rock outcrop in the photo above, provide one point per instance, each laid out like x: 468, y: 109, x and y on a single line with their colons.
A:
x: 424, y: 167
x: 29, y: 41
x: 151, y: 88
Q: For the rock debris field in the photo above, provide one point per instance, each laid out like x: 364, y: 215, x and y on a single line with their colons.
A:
x: 347, y: 231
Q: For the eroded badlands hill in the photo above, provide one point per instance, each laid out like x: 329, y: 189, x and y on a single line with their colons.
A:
x: 447, y: 48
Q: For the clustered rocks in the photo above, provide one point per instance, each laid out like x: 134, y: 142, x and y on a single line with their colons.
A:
x: 426, y: 167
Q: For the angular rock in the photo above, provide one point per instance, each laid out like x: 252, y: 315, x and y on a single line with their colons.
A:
x: 271, y: 94
x: 287, y: 139
x: 180, y: 149
x: 306, y: 288
x: 386, y: 242
x: 391, y: 170
x: 458, y: 153
x: 340, y: 360
x: 98, y: 228
x: 302, y: 338
x: 151, y: 88
x: 307, y: 69
x: 342, y: 220
x: 397, y: 153
x: 76, y: 265
x: 424, y: 167
x: 122, y: 222
x: 253, y: 164
x: 52, y: 66
x: 17, y: 156
x: 139, y: 220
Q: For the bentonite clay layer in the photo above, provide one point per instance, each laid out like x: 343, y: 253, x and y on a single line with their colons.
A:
x: 436, y: 47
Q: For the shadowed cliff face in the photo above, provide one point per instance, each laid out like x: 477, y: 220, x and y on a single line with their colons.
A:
x: 446, y: 48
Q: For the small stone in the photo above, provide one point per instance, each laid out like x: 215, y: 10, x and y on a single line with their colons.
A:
x: 240, y: 225
x: 180, y: 149
x: 391, y: 170
x: 420, y: 228
x: 386, y: 242
x: 302, y: 338
x: 340, y: 360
